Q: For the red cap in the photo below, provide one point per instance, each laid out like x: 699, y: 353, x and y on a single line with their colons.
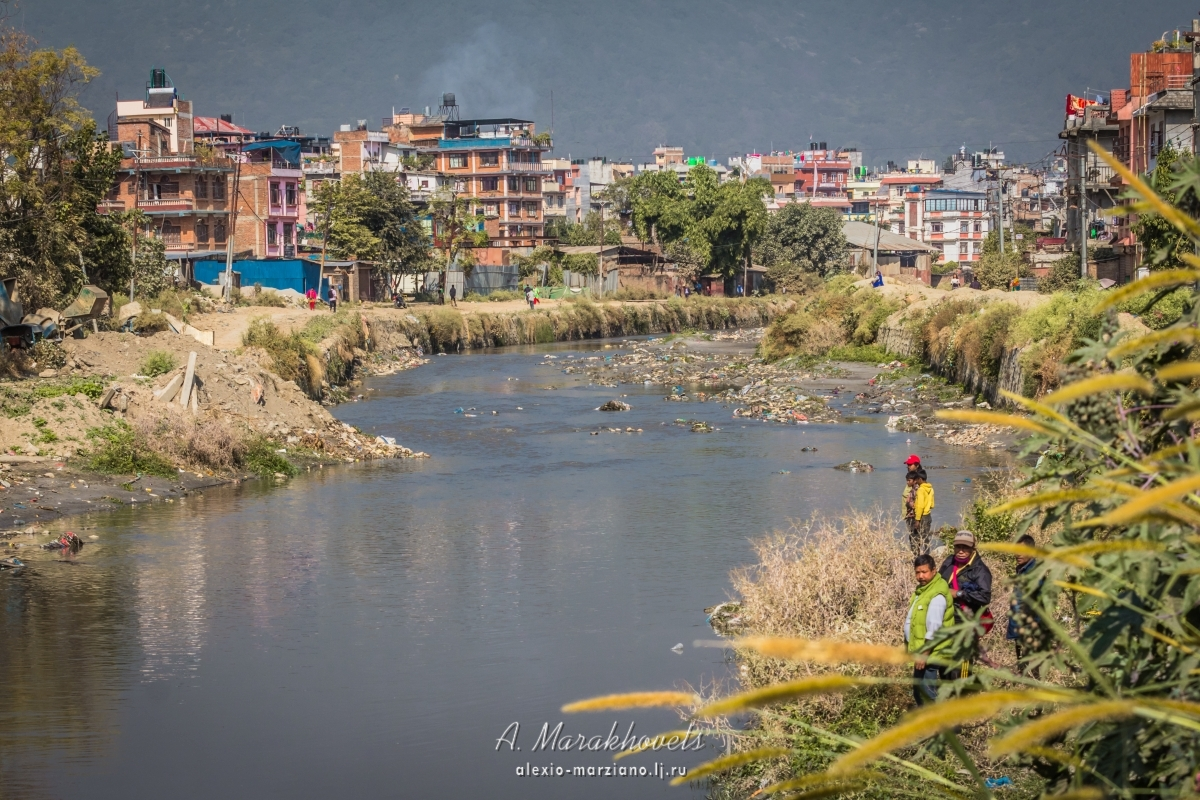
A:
x: 913, y: 459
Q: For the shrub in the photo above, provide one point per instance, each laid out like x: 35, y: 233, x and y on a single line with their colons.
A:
x: 117, y: 450
x: 289, y: 353
x: 865, y: 353
x: 91, y: 387
x: 637, y: 293
x: 262, y: 459
x: 48, y: 355
x: 158, y: 362
x: 267, y: 297
x: 1063, y: 276
x: 1163, y: 314
x: 148, y: 322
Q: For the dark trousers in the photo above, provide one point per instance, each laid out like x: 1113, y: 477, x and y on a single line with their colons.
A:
x: 925, y: 684
x: 919, y: 535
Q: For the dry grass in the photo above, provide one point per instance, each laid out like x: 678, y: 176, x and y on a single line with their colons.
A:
x: 212, y: 445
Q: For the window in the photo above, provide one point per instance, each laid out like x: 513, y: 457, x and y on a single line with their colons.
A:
x: 219, y: 231
x: 288, y: 229
x: 171, y: 233
x: 490, y: 184
x: 132, y: 187
x: 272, y: 234
x: 201, y: 186
x: 964, y: 227
x: 274, y: 194
x: 531, y: 209
x: 491, y: 210
x: 489, y: 159
x: 458, y: 162
x: 514, y: 209
x: 201, y: 231
x: 977, y: 226
x: 514, y: 184
x: 531, y: 184
x: 291, y: 194
x: 218, y: 188
x: 935, y: 227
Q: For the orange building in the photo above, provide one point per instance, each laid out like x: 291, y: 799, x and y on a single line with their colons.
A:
x: 184, y: 193
x: 498, y: 164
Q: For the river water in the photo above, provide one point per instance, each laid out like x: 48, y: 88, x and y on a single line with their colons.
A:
x: 373, y: 630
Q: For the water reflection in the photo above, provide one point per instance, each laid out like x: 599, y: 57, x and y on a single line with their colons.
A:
x: 378, y: 626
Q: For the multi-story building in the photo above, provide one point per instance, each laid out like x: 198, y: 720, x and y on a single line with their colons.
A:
x: 866, y: 200
x: 184, y: 194
x: 360, y: 150
x: 895, y: 187
x: 497, y: 163
x: 271, y: 201
x: 820, y: 173
x: 955, y: 222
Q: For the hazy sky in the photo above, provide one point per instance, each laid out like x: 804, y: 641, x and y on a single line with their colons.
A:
x: 896, y: 79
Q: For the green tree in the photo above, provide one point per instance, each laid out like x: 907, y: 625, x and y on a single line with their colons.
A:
x: 801, y: 240
x: 457, y: 228
x: 57, y: 170
x: 1160, y: 240
x: 346, y: 207
x: 711, y: 226
x: 404, y: 245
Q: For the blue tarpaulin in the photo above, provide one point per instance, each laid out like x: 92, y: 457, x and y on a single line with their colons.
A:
x: 288, y: 150
x: 273, y: 273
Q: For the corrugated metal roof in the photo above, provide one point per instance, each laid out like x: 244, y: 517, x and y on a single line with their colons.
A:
x: 862, y: 234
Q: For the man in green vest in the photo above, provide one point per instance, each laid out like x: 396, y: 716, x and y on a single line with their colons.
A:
x: 932, y: 607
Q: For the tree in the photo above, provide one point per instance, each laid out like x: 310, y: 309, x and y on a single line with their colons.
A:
x: 56, y: 171
x: 802, y: 240
x: 346, y: 206
x: 585, y: 234
x: 996, y: 271
x: 404, y: 245
x: 711, y: 226
x: 456, y: 229
x: 1173, y: 179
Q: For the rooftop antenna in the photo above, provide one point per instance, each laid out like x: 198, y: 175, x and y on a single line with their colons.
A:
x: 448, y: 108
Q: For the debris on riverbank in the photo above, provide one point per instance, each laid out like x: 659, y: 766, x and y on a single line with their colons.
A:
x: 121, y: 404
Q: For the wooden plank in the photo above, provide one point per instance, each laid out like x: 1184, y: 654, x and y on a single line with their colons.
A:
x: 185, y: 391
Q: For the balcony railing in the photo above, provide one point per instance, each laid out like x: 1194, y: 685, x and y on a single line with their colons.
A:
x: 1178, y: 81
x: 523, y: 166
x: 166, y: 204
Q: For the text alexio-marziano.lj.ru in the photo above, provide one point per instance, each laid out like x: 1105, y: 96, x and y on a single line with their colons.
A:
x: 554, y: 740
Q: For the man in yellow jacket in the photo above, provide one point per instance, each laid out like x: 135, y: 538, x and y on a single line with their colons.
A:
x: 922, y: 516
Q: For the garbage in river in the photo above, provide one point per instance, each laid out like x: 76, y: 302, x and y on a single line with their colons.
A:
x: 614, y: 405
x: 458, y: 410
x: 855, y: 466
x: 784, y: 472
x: 808, y: 449
x: 725, y: 618
x: 677, y: 648
x: 12, y: 562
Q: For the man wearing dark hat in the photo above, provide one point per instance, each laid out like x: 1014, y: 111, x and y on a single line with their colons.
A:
x: 970, y: 582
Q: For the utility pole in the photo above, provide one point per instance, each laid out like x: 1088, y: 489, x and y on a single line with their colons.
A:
x: 137, y: 192
x: 231, y: 215
x: 875, y: 252
x: 1083, y: 228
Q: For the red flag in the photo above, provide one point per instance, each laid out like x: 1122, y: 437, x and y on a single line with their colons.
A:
x: 1076, y: 105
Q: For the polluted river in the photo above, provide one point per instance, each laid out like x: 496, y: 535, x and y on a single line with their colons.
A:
x: 376, y: 629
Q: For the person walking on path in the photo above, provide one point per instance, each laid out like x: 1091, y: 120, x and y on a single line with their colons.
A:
x: 311, y: 294
x: 333, y: 298
x: 1022, y: 625
x: 928, y: 611
x: 970, y: 582
x: 453, y: 294
x: 529, y: 298
x: 922, y: 507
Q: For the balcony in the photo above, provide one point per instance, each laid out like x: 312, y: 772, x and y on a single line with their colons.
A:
x: 181, y: 162
x: 168, y: 201
x: 319, y: 168
x: 522, y: 166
